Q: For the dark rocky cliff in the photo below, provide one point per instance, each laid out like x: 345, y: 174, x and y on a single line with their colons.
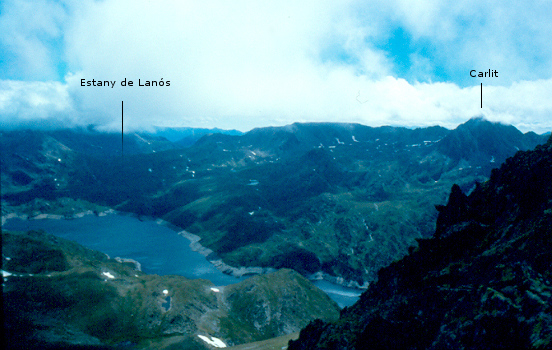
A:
x: 482, y: 282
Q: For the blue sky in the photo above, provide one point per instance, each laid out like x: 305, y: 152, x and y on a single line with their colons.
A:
x: 246, y: 64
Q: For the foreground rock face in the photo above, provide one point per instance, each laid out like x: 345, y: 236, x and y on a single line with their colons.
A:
x: 58, y: 294
x: 483, y: 281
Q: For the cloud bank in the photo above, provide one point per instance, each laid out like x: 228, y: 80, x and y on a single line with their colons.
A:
x: 245, y: 64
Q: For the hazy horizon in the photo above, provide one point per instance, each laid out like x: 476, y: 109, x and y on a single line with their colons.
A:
x: 156, y: 128
x: 241, y: 65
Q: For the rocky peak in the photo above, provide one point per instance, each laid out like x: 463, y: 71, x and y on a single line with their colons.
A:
x: 483, y: 281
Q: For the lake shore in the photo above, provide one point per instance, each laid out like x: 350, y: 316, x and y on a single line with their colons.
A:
x: 40, y: 216
x: 252, y: 270
x: 195, y: 245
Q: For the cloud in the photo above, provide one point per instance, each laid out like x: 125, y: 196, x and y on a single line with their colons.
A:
x: 35, y: 104
x: 244, y: 64
x: 508, y: 36
x: 30, y: 31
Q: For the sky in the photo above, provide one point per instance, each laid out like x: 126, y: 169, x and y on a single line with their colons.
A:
x: 248, y: 64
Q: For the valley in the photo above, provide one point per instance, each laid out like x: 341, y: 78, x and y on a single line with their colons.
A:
x: 483, y: 281
x: 155, y: 246
x: 336, y: 200
x: 263, y: 175
x: 323, y: 201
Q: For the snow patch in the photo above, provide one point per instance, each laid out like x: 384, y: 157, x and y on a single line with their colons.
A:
x: 108, y: 275
x: 216, y: 290
x: 367, y: 229
x: 6, y: 274
x: 165, y: 292
x: 216, y: 342
x: 354, y: 140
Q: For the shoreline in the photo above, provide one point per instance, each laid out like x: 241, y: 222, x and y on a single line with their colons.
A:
x: 42, y: 216
x: 218, y: 263
x: 320, y: 275
x: 257, y: 270
x: 194, y: 239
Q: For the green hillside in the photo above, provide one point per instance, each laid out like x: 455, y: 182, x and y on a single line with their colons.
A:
x: 482, y: 282
x: 342, y: 199
x: 58, y: 294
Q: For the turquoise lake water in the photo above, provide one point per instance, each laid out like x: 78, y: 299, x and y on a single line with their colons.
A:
x: 159, y: 249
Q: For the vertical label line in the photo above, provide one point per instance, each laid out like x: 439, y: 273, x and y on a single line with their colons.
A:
x: 122, y: 109
x: 481, y: 95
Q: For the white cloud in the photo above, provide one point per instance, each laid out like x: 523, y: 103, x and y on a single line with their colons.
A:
x: 245, y: 64
x: 29, y: 29
x: 510, y: 36
x: 35, y: 103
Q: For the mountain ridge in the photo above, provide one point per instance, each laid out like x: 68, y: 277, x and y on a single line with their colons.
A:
x: 483, y: 280
x: 344, y: 199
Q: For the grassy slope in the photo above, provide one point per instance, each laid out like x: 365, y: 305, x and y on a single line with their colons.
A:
x: 61, y: 292
x: 483, y: 281
x: 347, y: 208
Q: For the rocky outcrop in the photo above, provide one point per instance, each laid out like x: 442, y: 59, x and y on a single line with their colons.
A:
x: 484, y: 281
x: 265, y: 306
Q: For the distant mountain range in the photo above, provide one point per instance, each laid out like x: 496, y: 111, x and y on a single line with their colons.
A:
x: 94, y: 143
x: 185, y: 137
x: 342, y: 200
x: 482, y: 282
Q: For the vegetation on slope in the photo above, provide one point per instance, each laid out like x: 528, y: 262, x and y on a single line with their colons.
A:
x: 344, y: 199
x: 58, y: 294
x: 483, y: 281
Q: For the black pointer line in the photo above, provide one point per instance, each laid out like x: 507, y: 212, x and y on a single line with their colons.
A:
x: 122, y: 129
x: 481, y: 95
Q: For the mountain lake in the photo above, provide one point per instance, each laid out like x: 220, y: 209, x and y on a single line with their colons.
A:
x: 158, y: 248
